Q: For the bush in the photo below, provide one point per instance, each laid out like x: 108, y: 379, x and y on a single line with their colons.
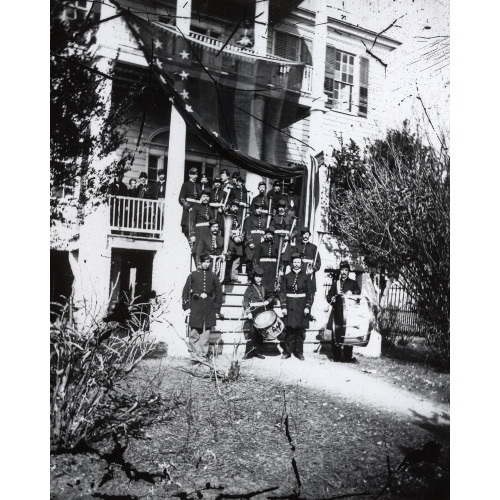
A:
x: 392, y: 205
x: 88, y: 366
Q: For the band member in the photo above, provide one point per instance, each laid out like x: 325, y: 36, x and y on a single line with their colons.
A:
x: 261, y: 199
x: 190, y: 189
x: 235, y: 249
x: 202, y: 301
x: 216, y: 201
x: 204, y: 183
x: 282, y: 221
x: 265, y: 257
x: 240, y: 194
x: 347, y: 286
x: 311, y: 260
x: 276, y: 195
x: 256, y: 300
x: 199, y: 227
x: 296, y: 297
x: 253, y: 228
x: 212, y: 243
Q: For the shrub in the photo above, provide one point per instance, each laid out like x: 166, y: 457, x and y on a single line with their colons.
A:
x: 393, y: 206
x: 88, y: 364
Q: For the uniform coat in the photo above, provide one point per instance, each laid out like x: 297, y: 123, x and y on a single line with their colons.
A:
x: 283, y: 222
x: 255, y: 294
x: 308, y: 251
x: 261, y: 200
x: 254, y: 231
x: 188, y: 190
x: 203, y: 311
x: 296, y: 283
x: 200, y: 214
x: 349, y: 285
x: 276, y: 197
x: 267, y: 250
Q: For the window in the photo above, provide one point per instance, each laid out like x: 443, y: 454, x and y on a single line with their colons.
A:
x: 339, y: 82
x: 78, y: 10
x: 292, y: 47
x: 339, y: 79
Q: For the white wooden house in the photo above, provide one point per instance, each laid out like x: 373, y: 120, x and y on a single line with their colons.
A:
x: 341, y: 93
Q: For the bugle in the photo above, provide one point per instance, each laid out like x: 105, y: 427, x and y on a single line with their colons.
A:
x: 228, y: 224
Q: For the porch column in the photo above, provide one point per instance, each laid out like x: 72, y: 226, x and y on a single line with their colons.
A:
x: 183, y: 15
x: 317, y: 142
x: 171, y: 263
x: 261, y: 27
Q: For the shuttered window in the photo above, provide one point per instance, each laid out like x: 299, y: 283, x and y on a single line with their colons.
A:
x: 339, y: 79
x: 363, y: 86
x: 292, y: 47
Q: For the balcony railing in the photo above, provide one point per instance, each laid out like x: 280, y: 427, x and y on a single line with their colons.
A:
x: 285, y: 65
x: 136, y: 216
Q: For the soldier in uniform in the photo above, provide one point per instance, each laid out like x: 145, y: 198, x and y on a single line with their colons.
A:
x: 347, y: 286
x: 308, y: 252
x: 256, y: 299
x: 296, y: 298
x: 235, y: 249
x: 265, y: 257
x: 275, y: 195
x: 261, y: 199
x: 213, y: 244
x: 240, y: 194
x: 202, y: 301
x: 253, y: 228
x: 199, y: 227
x: 216, y: 200
x: 189, y: 190
x: 293, y: 201
x: 282, y: 221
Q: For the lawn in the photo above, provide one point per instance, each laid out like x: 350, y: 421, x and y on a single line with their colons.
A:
x: 279, y: 439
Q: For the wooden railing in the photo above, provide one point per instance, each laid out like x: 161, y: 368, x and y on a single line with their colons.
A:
x: 209, y: 59
x: 136, y: 216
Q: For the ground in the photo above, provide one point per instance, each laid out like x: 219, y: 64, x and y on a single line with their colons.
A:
x: 289, y: 429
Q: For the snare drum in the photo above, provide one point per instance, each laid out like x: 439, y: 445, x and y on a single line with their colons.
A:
x: 354, y: 319
x: 268, y: 324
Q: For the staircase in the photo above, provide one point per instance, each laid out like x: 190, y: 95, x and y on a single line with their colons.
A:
x: 231, y: 330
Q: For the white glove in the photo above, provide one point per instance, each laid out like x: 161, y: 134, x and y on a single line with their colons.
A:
x: 203, y: 295
x: 187, y: 312
x: 284, y: 311
x: 192, y: 239
x: 249, y: 316
x: 306, y: 311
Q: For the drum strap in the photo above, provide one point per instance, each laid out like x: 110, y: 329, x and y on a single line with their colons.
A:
x: 259, y: 292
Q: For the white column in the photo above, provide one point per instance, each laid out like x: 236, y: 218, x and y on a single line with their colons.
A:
x: 171, y: 263
x: 316, y: 134
x: 183, y: 15
x: 261, y: 27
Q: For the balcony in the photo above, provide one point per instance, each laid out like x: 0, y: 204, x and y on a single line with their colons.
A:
x: 136, y: 217
x: 211, y: 47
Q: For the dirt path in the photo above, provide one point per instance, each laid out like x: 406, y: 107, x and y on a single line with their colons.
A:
x: 340, y: 379
x: 345, y: 381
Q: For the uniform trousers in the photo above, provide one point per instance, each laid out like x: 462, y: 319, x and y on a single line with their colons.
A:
x: 198, y: 342
x: 294, y: 340
x: 255, y: 342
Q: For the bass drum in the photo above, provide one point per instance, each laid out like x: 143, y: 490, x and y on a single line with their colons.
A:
x: 268, y: 324
x: 354, y: 320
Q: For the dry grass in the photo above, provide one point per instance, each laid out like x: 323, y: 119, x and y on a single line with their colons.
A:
x: 242, y: 441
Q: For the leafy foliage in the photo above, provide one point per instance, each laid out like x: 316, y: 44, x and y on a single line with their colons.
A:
x: 393, y: 206
x: 85, y: 124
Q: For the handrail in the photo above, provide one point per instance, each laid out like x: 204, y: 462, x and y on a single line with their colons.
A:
x: 136, y: 215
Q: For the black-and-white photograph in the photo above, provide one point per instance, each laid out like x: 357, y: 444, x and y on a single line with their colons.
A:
x: 250, y: 249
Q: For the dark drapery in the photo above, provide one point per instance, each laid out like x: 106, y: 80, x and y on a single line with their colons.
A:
x: 237, y: 103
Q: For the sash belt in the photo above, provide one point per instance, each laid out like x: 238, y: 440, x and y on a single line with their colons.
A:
x: 200, y: 224
x: 267, y: 259
x: 296, y: 295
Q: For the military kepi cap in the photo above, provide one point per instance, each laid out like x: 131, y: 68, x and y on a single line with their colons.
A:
x: 344, y: 263
x: 204, y: 257
x: 211, y: 222
x: 295, y: 255
x: 258, y: 271
x: 193, y: 170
